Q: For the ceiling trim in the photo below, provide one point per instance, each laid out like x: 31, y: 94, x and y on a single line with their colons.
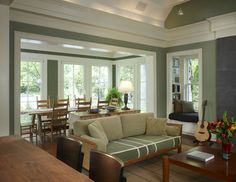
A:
x: 120, y: 28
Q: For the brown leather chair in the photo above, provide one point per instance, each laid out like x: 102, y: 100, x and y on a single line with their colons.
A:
x: 69, y: 152
x: 105, y: 168
x: 102, y: 103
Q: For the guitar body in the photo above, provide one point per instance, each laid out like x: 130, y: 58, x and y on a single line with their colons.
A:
x: 202, y: 134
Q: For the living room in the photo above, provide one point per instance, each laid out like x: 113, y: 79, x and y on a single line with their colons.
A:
x: 207, y: 26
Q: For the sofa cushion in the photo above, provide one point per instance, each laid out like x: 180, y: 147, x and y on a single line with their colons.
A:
x: 178, y: 107
x: 96, y: 130
x: 134, y: 124
x: 187, y: 106
x: 156, y: 126
x: 172, y: 130
x: 112, y: 127
x: 81, y: 127
x: 101, y: 146
x: 138, y: 146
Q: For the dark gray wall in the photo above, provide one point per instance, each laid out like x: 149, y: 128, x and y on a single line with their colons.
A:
x: 226, y: 76
x: 52, y: 79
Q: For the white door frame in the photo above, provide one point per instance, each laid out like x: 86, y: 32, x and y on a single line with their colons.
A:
x: 169, y: 77
x: 17, y: 57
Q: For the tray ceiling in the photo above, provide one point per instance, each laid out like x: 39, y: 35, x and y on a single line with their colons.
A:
x: 153, y: 12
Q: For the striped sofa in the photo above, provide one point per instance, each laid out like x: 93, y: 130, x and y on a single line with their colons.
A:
x: 127, y: 138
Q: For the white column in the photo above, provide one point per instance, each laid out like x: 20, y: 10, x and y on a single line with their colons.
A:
x: 4, y: 70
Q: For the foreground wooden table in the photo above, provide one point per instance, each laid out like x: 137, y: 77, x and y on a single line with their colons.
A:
x: 22, y: 161
x: 217, y: 167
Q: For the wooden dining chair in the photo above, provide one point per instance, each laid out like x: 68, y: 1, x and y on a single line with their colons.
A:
x: 102, y: 103
x: 113, y: 102
x: 105, y: 167
x: 79, y: 99
x: 62, y: 103
x: 58, y: 121
x: 84, y: 105
x: 69, y: 152
x: 42, y: 104
x: 28, y: 126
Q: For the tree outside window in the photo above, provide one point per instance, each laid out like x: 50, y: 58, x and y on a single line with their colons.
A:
x: 30, y: 84
x: 100, y: 81
x: 192, y: 85
x: 73, y: 81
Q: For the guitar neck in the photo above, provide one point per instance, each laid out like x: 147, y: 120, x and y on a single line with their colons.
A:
x: 203, y: 111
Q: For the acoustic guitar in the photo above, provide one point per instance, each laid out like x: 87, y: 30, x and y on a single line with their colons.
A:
x: 202, y: 134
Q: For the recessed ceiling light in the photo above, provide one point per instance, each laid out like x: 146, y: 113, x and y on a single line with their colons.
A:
x: 72, y: 46
x: 99, y: 50
x: 31, y: 41
x: 124, y: 53
x: 142, y: 55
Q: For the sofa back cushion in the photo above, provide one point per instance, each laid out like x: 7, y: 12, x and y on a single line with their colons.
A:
x: 134, y: 124
x: 156, y: 126
x: 112, y: 127
x: 96, y: 130
x: 81, y: 127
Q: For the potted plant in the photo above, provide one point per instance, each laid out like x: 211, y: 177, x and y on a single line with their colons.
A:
x: 114, y: 93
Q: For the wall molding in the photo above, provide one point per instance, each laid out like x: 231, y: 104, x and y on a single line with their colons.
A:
x: 80, y: 19
x: 84, y: 20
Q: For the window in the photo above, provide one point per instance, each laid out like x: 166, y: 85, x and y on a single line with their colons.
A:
x: 143, y: 87
x: 192, y: 81
x: 84, y: 77
x: 73, y: 81
x: 100, y: 81
x: 127, y: 72
x: 135, y: 70
x: 30, y: 84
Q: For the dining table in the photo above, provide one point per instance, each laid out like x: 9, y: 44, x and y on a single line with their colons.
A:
x: 21, y: 161
x: 39, y: 113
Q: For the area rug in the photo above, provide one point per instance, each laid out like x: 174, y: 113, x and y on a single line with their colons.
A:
x: 151, y: 171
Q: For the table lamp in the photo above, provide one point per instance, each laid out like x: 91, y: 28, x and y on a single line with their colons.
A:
x: 126, y: 87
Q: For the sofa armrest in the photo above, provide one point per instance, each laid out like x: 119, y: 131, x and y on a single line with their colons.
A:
x: 88, y: 144
x: 173, y: 129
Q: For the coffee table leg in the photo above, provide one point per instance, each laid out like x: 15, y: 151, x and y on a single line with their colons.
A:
x: 166, y: 169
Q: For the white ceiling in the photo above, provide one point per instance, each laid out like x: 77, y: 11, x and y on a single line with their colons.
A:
x: 153, y: 12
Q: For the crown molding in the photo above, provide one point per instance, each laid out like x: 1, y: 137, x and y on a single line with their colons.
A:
x: 224, y: 25
x: 80, y: 19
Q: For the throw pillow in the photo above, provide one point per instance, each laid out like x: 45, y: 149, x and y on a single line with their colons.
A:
x: 96, y: 130
x: 156, y: 126
x: 187, y: 106
x: 178, y: 106
x: 172, y: 131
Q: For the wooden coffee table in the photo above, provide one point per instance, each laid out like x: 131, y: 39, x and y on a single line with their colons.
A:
x: 217, y: 167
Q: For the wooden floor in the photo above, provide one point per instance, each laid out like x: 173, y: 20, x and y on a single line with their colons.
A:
x: 149, y: 170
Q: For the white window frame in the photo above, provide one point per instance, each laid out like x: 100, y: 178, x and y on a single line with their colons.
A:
x: 169, y: 76
x: 31, y: 57
x: 87, y: 63
x: 137, y: 62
